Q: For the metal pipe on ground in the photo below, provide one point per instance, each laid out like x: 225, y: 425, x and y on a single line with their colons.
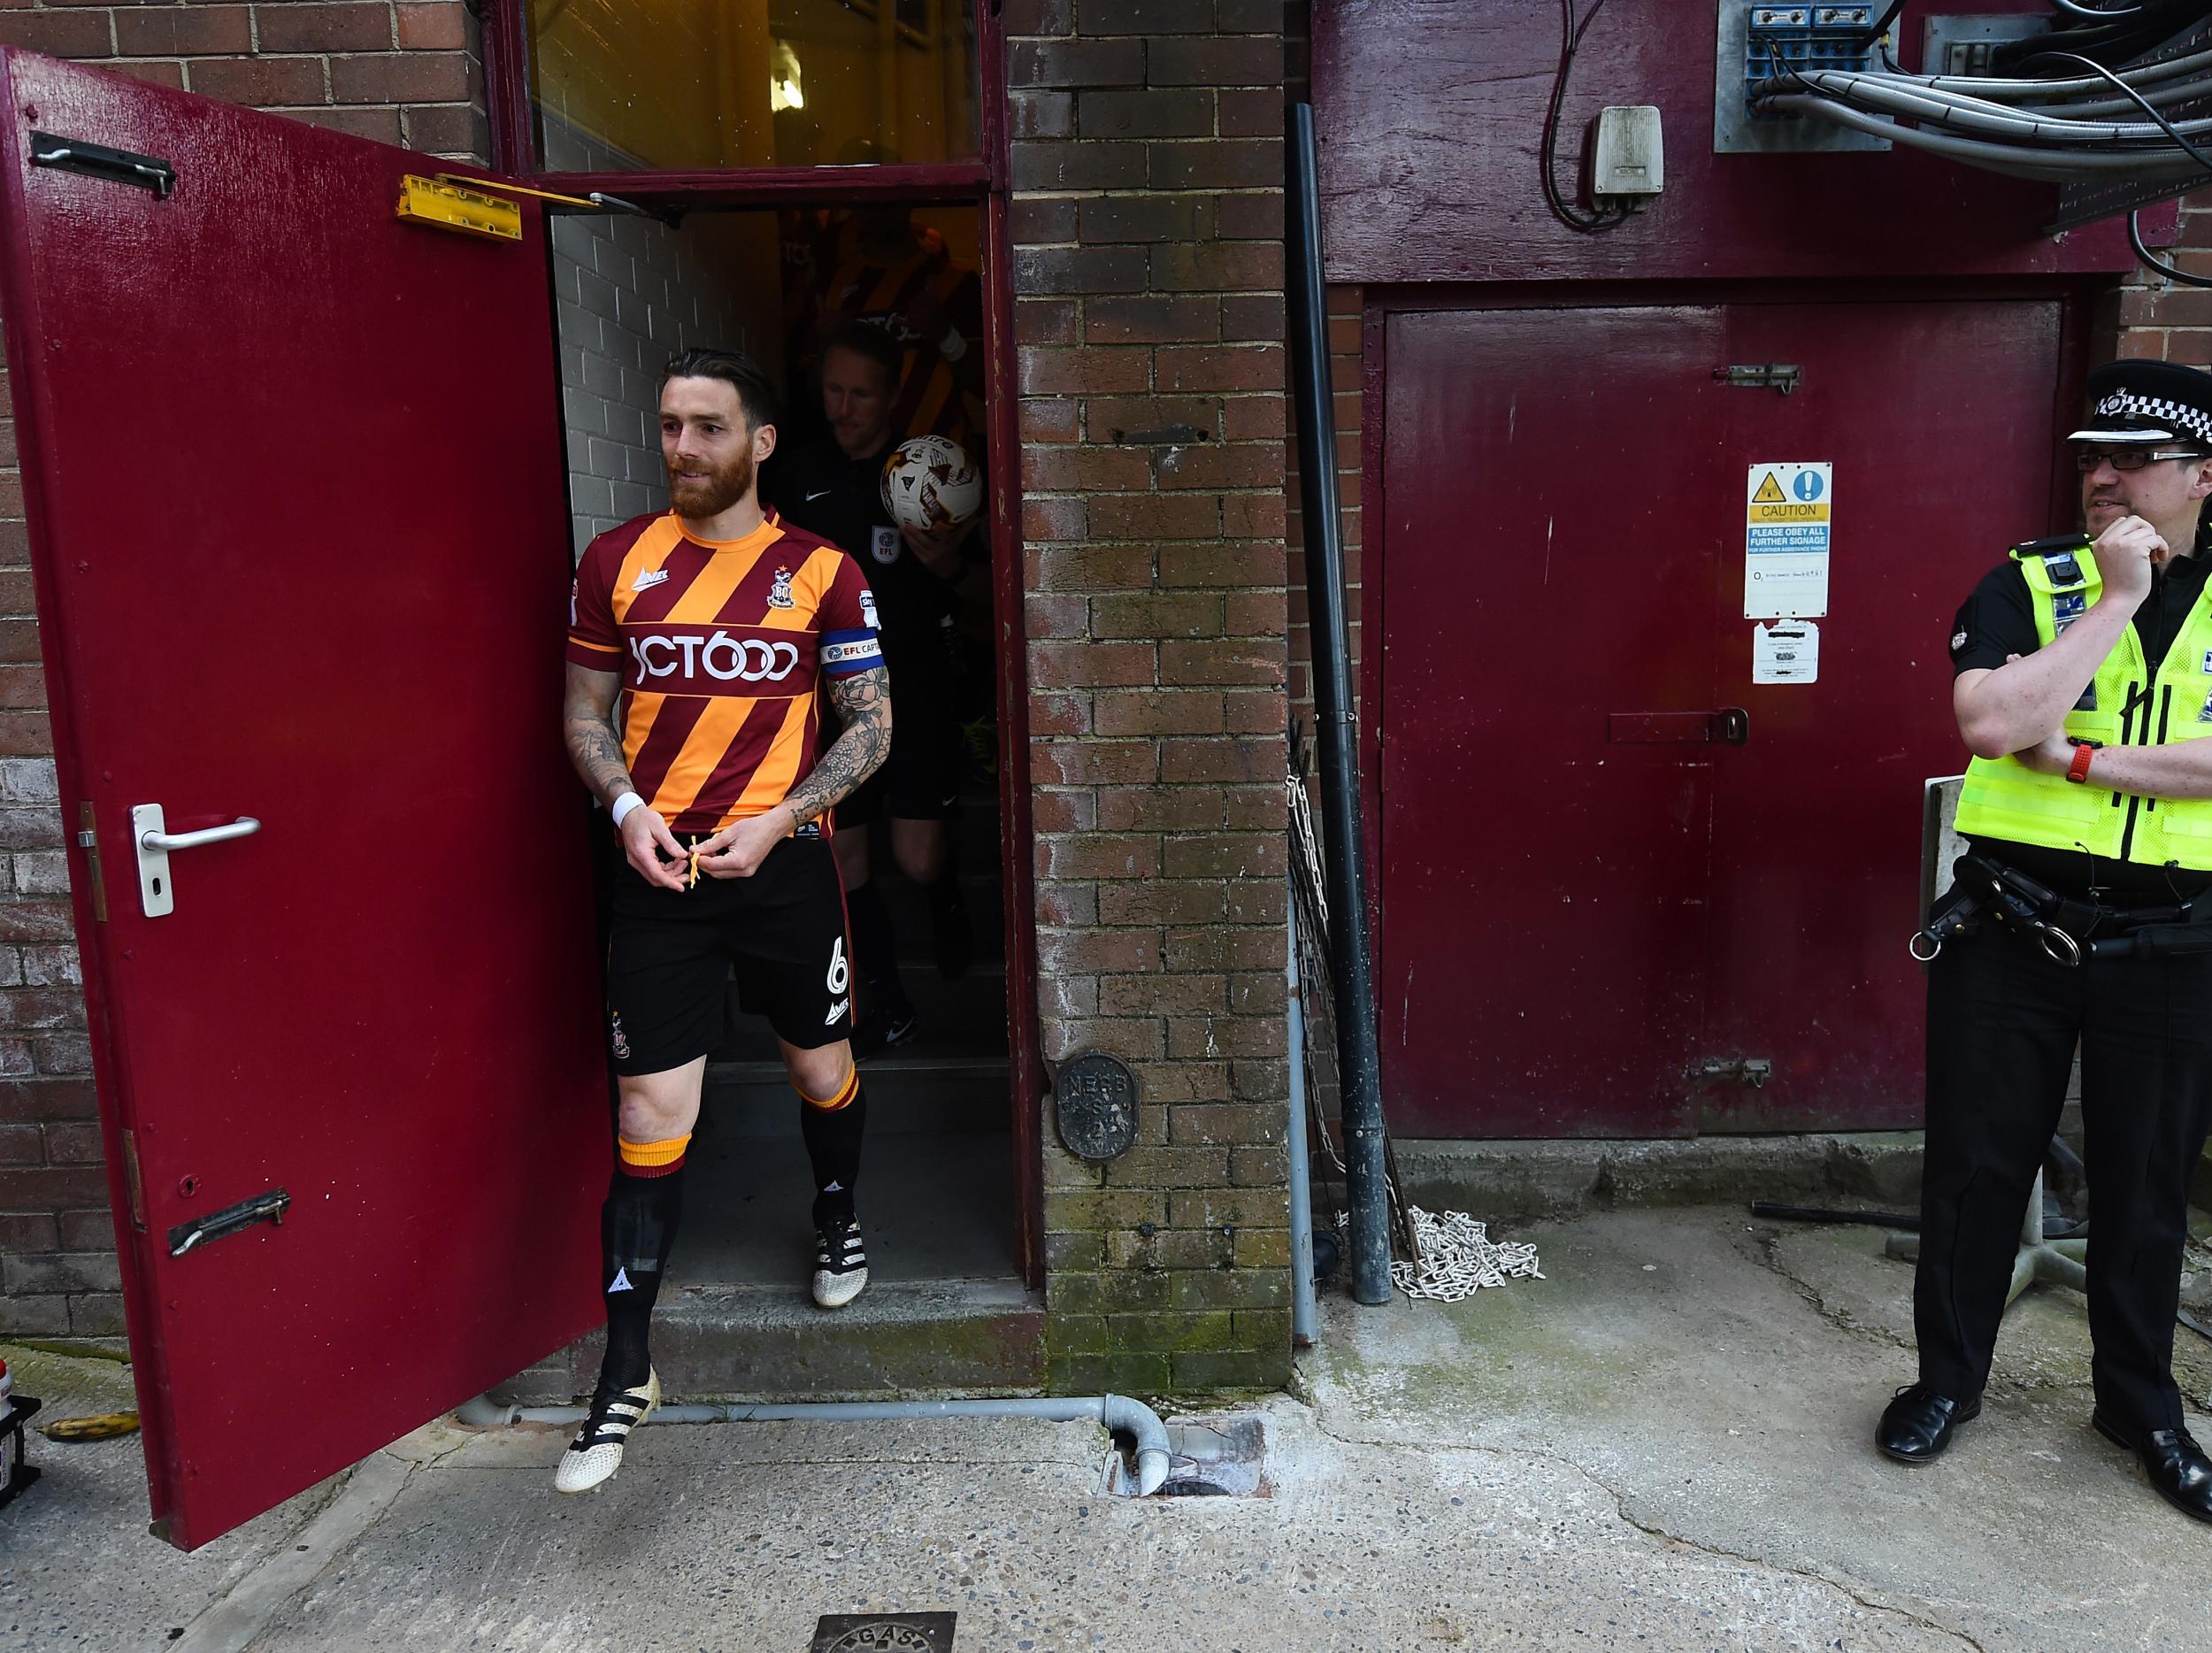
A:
x: 1359, y: 1059
x: 1303, y: 1314
x: 1117, y: 1413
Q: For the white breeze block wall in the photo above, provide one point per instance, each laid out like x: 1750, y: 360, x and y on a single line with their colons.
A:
x: 629, y: 294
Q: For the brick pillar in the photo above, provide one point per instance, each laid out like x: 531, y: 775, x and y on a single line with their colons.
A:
x: 1148, y: 168
x: 398, y: 73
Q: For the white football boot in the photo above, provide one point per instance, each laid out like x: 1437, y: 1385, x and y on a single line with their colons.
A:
x: 840, y: 1263
x: 596, y: 1453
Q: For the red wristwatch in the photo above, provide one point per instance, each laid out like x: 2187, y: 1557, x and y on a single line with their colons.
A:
x: 2078, y: 771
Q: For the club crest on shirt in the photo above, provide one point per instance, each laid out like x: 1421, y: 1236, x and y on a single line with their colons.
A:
x: 780, y: 593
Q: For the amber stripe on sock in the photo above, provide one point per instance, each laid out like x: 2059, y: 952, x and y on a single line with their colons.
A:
x: 845, y: 1092
x: 654, y: 1160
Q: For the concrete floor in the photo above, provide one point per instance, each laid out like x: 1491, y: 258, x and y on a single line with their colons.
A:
x: 1661, y: 1445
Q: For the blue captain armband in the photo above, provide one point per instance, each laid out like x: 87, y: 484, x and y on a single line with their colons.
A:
x: 845, y: 653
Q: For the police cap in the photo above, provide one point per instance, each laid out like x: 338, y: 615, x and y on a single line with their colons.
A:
x: 2148, y: 402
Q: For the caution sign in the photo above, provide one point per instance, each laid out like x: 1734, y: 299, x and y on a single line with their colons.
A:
x: 1787, y: 509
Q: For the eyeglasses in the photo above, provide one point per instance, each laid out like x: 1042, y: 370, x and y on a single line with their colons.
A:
x: 2088, y: 459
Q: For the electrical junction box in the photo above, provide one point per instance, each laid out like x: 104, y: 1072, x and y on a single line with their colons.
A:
x: 1627, y: 161
x: 1759, y: 42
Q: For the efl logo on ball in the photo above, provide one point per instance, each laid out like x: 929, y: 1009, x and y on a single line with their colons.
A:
x: 930, y: 483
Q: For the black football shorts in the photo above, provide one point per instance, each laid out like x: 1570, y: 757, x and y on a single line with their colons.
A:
x: 670, y: 952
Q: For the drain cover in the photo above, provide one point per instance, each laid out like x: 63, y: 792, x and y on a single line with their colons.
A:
x: 883, y: 1633
x: 1209, y: 1457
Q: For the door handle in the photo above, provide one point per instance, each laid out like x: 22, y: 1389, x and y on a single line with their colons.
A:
x: 153, y: 842
x: 1731, y: 725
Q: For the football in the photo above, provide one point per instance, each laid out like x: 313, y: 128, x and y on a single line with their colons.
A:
x: 930, y: 483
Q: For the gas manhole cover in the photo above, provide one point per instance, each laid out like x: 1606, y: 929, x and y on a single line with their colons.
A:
x: 883, y: 1633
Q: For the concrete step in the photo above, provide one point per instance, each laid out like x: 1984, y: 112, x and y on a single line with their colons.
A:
x: 921, y: 1340
x: 1510, y: 1180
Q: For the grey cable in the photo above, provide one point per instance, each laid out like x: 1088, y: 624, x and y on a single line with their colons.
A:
x: 1974, y: 115
x: 2057, y: 165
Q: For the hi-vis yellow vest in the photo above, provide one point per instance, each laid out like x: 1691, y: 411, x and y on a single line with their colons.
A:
x: 2123, y: 705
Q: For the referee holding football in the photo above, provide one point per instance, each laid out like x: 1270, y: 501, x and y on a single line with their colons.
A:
x: 832, y: 487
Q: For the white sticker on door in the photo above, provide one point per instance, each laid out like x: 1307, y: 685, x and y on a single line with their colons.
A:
x: 1786, y: 521
x: 1786, y: 653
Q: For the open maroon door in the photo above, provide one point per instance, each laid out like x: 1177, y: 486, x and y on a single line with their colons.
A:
x: 294, y: 473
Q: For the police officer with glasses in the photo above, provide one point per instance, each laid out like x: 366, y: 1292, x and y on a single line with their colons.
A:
x: 2083, y: 685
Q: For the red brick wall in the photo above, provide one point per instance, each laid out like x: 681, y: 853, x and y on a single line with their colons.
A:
x: 404, y: 73
x: 398, y: 71
x: 2163, y: 319
x: 1148, y: 168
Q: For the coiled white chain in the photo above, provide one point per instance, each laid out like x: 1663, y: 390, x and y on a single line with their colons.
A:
x: 1458, y: 1259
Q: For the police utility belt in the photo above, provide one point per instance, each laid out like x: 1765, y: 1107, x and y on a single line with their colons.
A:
x: 1989, y: 892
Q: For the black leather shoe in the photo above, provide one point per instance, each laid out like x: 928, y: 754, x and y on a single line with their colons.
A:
x: 2177, y: 1466
x: 1918, y: 1425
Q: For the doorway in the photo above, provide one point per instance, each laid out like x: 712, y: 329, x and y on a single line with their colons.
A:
x: 938, y: 1195
x: 1627, y: 888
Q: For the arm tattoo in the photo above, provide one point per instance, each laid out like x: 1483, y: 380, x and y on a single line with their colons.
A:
x: 595, y: 745
x: 864, y: 701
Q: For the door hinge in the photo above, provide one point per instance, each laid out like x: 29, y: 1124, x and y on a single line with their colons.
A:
x: 1754, y: 1070
x: 88, y: 841
x: 97, y: 160
x: 133, y: 1188
x: 1781, y: 376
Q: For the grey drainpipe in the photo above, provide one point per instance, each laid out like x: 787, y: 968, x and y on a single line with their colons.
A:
x: 1303, y: 1316
x: 1117, y: 1412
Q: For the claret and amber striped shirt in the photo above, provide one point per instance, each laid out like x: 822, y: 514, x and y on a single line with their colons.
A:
x: 721, y: 645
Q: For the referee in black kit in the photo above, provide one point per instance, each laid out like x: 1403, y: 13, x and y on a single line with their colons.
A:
x: 2083, y: 684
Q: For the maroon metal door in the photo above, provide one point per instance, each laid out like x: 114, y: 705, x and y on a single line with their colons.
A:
x: 1939, y: 418
x: 1589, y: 893
x: 294, y: 477
x: 1547, y: 683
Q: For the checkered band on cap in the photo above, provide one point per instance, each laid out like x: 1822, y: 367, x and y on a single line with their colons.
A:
x: 2183, y: 418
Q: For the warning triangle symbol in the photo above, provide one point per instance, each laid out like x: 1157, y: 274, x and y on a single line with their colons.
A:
x: 1769, y: 492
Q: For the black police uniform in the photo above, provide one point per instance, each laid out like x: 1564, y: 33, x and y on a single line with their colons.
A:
x: 822, y: 491
x: 2003, y: 1019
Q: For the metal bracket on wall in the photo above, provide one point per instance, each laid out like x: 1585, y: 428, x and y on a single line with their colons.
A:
x: 1752, y: 34
x: 97, y: 160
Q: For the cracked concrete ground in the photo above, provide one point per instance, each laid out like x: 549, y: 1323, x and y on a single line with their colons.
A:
x: 1661, y: 1445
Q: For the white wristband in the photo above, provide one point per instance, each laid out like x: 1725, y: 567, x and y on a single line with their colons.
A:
x: 623, y: 805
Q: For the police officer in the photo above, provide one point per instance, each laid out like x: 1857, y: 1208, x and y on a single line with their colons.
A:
x: 2083, y: 685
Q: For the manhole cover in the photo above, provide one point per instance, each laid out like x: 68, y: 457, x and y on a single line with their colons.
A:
x: 883, y: 1633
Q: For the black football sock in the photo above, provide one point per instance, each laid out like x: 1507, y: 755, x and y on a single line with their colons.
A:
x: 833, y: 1129
x: 637, y: 1225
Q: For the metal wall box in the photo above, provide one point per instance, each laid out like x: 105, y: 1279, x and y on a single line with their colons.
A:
x: 1628, y: 163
